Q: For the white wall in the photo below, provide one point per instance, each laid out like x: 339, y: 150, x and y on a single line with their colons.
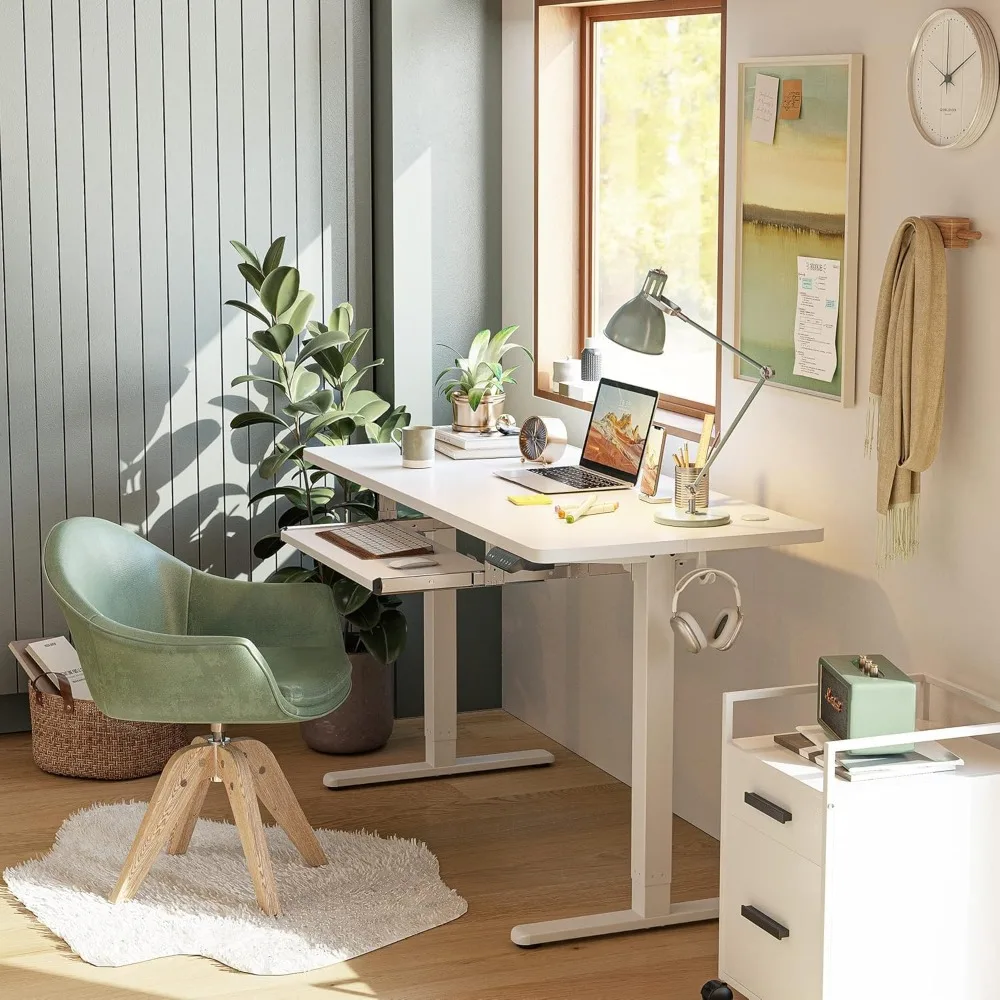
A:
x: 137, y: 137
x: 804, y: 455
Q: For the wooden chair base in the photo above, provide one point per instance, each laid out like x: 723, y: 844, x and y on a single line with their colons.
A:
x: 248, y: 771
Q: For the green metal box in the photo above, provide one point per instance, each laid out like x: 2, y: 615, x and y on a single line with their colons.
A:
x: 866, y: 696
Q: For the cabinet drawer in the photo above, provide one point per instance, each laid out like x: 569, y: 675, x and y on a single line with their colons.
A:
x: 453, y: 572
x: 758, y: 792
x: 770, y: 917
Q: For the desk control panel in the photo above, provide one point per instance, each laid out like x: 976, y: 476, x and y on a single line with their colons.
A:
x: 508, y: 562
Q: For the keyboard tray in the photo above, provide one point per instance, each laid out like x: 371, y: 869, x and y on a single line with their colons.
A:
x: 454, y: 572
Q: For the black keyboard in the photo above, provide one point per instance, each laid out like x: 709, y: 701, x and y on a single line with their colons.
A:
x: 578, y: 478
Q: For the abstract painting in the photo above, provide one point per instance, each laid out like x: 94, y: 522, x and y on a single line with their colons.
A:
x: 798, y: 198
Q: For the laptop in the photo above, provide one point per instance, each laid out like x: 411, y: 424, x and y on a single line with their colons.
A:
x: 612, y: 452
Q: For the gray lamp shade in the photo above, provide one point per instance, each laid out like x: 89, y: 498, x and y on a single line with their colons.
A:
x: 638, y: 325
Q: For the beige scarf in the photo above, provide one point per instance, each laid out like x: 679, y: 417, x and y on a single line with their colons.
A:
x: 906, y: 407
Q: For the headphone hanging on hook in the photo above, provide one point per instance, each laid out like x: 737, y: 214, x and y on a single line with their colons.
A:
x: 728, y: 621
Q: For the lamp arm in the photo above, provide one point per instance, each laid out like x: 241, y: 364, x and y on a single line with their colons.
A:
x: 672, y: 309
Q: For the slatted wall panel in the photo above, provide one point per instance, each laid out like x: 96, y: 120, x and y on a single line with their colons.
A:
x: 136, y: 138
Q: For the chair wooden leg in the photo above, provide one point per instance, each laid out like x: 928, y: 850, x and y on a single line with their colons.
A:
x: 180, y: 839
x: 279, y: 799
x: 178, y: 785
x: 238, y: 780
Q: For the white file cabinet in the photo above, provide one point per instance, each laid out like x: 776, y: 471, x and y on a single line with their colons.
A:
x: 838, y: 890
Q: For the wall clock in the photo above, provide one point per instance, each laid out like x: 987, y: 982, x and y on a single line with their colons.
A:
x: 953, y: 77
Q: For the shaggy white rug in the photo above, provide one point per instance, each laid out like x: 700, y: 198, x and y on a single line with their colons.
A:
x: 374, y: 891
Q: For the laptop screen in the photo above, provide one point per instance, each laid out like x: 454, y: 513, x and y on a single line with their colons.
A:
x: 619, y: 426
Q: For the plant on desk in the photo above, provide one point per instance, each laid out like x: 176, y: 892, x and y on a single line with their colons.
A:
x: 317, y: 400
x: 475, y: 385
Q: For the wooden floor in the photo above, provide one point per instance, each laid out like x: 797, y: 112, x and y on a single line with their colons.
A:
x: 519, y: 846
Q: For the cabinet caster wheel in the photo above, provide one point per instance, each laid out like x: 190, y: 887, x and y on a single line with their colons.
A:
x: 716, y: 990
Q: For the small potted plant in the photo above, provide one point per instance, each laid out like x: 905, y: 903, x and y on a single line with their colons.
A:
x: 474, y: 385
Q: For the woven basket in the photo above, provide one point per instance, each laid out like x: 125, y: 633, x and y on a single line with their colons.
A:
x: 75, y: 738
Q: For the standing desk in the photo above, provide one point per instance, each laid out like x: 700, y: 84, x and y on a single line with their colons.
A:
x: 466, y: 496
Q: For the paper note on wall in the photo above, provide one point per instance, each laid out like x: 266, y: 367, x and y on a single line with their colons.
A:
x: 791, y: 100
x: 765, y: 109
x: 816, y: 316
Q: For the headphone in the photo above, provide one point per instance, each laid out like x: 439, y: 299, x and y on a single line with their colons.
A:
x: 727, y: 623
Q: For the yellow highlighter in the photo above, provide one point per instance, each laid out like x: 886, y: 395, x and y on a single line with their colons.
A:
x: 531, y: 500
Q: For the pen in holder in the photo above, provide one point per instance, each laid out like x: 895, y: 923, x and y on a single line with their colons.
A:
x: 683, y: 478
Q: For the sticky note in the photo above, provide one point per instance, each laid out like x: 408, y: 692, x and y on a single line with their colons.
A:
x: 532, y: 500
x: 765, y: 108
x: 791, y: 100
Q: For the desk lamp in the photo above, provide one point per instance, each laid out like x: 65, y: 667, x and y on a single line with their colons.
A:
x: 640, y: 325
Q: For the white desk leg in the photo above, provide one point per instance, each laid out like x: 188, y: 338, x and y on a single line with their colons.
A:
x: 440, y: 709
x: 652, y: 777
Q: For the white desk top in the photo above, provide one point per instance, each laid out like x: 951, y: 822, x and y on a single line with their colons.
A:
x: 467, y: 496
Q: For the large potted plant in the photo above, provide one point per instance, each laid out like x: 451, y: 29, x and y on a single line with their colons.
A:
x: 317, y: 399
x: 474, y: 385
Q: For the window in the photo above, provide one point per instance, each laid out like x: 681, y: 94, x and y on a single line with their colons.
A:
x: 649, y: 85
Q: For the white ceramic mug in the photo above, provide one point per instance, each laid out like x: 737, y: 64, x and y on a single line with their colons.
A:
x: 416, y: 445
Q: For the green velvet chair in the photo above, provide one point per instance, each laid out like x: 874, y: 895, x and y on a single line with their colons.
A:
x: 161, y: 642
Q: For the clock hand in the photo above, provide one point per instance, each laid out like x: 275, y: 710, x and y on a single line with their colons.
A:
x: 960, y: 65
x: 941, y: 71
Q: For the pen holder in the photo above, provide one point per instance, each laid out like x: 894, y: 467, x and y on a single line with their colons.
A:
x: 682, y: 479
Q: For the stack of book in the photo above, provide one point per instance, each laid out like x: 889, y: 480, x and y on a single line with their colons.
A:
x: 45, y: 660
x: 459, y: 445
x: 808, y: 742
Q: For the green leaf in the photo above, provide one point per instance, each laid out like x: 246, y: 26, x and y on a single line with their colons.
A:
x: 294, y: 493
x: 291, y: 517
x: 342, y: 318
x: 273, y: 462
x: 367, y: 616
x: 507, y: 348
x: 351, y: 384
x: 397, y: 419
x: 475, y: 398
x: 250, y: 310
x: 370, y: 412
x: 265, y: 343
x: 349, y: 596
x: 283, y: 335
x: 246, y: 253
x: 317, y: 328
x: 303, y: 383
x: 357, y: 339
x: 492, y: 354
x: 273, y: 256
x: 267, y: 546
x: 341, y: 424
x: 255, y: 417
x: 294, y: 574
x: 298, y: 314
x: 252, y: 275
x: 317, y: 404
x: 244, y: 379
x: 478, y: 349
x: 387, y: 639
x: 280, y: 290
x: 324, y: 342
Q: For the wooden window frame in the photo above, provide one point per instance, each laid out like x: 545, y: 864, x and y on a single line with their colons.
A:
x: 591, y: 14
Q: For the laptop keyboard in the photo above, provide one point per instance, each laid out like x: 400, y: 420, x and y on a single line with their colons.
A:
x: 577, y: 477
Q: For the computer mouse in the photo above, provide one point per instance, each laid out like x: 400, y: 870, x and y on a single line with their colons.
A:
x: 415, y: 562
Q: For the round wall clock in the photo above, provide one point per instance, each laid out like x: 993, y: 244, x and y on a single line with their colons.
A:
x: 953, y: 77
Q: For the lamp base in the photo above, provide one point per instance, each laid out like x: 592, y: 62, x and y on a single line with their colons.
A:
x: 675, y: 517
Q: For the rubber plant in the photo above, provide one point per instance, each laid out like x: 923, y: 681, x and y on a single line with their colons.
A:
x: 317, y: 400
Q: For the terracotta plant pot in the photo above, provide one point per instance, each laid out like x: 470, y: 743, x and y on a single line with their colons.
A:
x: 485, y: 415
x: 364, y: 721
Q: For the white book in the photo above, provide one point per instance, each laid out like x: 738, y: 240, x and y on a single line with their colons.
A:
x: 478, y: 442
x: 466, y: 454
x: 57, y: 656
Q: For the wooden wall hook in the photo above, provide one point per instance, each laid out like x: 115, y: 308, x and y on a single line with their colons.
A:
x: 956, y: 231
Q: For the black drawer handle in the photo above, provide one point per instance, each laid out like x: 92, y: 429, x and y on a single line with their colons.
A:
x: 767, y: 807
x: 764, y: 922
